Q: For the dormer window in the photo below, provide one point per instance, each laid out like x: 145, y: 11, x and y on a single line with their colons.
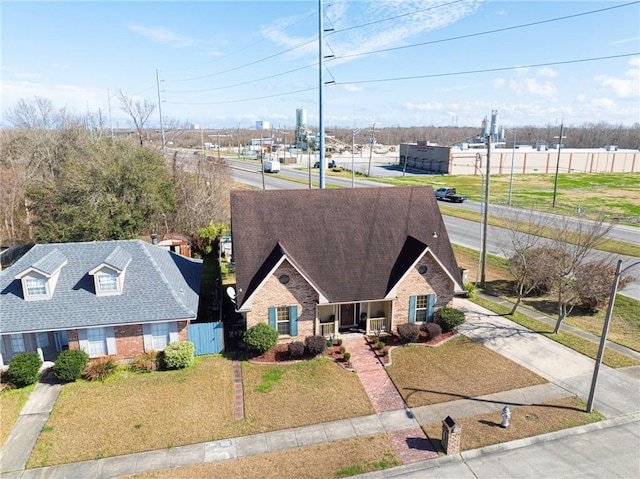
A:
x: 39, y: 280
x: 109, y: 275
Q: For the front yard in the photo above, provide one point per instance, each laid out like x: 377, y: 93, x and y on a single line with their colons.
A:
x: 11, y: 403
x: 140, y: 412
x: 457, y: 369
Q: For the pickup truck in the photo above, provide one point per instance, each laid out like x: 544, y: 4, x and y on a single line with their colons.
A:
x: 449, y: 194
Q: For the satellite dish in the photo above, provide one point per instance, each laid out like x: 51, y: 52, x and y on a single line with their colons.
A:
x: 231, y: 292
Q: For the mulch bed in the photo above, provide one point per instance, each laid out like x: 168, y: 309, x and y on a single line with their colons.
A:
x: 279, y: 354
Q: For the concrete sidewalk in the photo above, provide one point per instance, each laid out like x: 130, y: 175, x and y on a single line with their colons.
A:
x: 17, y: 448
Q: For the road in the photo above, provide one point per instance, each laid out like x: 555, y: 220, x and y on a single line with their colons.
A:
x: 462, y: 232
x: 597, y: 453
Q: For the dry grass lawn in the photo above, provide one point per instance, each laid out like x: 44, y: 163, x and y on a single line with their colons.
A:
x: 11, y: 403
x: 526, y: 421
x: 301, y: 394
x: 456, y: 369
x: 325, y: 461
x: 141, y: 412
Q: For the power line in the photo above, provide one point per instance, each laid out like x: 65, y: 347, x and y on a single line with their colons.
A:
x: 489, y: 70
x: 244, y: 99
x: 488, y: 32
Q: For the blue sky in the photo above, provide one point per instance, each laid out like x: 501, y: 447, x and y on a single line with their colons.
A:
x: 397, y: 63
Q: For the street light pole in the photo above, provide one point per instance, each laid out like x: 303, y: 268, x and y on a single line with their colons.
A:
x: 486, y: 214
x: 555, y: 184
x: 482, y: 186
x: 354, y: 132
x: 605, y: 331
x: 513, y: 154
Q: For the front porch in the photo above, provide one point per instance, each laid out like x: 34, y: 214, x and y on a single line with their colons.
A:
x: 366, y: 317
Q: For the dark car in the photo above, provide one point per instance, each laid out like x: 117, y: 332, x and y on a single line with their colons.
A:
x: 330, y: 164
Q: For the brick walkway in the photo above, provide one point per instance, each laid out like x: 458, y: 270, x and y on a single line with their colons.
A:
x: 237, y: 387
x: 412, y: 444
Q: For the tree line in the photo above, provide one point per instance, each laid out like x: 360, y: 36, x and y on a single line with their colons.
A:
x: 63, y: 179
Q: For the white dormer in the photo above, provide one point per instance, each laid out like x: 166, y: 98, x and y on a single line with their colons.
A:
x: 39, y: 280
x: 108, y: 276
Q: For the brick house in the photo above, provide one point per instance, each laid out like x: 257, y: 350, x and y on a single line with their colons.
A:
x: 328, y: 261
x: 116, y: 298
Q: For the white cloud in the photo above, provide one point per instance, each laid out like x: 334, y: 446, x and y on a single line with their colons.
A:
x: 22, y: 75
x: 625, y: 40
x: 352, y: 88
x: 623, y: 87
x: 581, y: 98
x: 428, y: 106
x: 521, y: 70
x: 498, y: 83
x: 163, y: 35
x: 531, y: 86
x: 547, y: 72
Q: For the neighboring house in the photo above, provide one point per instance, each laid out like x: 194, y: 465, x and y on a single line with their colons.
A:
x: 325, y: 261
x: 116, y: 298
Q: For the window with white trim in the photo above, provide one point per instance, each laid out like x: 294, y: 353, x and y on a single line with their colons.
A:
x: 422, y: 303
x: 160, y: 335
x: 107, y: 282
x: 283, y: 320
x: 17, y: 343
x: 97, y: 342
x: 42, y: 339
x: 36, y: 286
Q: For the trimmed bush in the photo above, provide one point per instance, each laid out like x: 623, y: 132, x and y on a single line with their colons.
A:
x: 261, y: 337
x: 347, y: 356
x: 99, y: 369
x: 433, y: 330
x: 24, y: 369
x: 449, y: 318
x: 339, y: 342
x: 329, y: 343
x: 342, y: 349
x: 69, y: 365
x: 296, y: 349
x: 178, y: 355
x: 380, y: 345
x: 470, y: 290
x: 147, y: 362
x: 315, y: 344
x: 408, y: 333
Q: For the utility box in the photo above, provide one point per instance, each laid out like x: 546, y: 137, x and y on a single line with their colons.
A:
x: 450, y: 436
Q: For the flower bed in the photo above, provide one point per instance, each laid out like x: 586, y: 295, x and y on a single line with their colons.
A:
x: 391, y: 341
x: 279, y: 354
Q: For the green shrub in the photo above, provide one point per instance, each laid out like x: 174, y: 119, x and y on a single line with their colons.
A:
x: 178, y: 355
x: 315, y: 345
x: 147, y: 362
x: 339, y: 342
x: 408, y: 332
x: 342, y: 349
x: 99, y: 369
x: 375, y: 339
x: 329, y: 343
x: 433, y: 330
x: 380, y: 345
x: 24, y: 369
x: 470, y: 290
x: 261, y: 337
x: 69, y: 365
x: 347, y: 356
x: 449, y: 318
x: 296, y: 349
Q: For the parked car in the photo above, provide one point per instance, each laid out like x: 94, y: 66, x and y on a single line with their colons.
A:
x: 330, y: 164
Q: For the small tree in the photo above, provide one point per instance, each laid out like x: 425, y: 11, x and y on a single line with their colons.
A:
x: 261, y: 337
x: 70, y: 364
x: 593, y: 284
x: 24, y: 369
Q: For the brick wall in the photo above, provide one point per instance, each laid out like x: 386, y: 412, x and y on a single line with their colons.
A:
x: 129, y: 341
x: 72, y: 336
x: 297, y: 292
x: 435, y: 280
x: 183, y: 330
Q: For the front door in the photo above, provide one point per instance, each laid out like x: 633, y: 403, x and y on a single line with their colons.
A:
x: 347, y: 315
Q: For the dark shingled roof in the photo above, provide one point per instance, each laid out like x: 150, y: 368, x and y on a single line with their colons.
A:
x: 354, y: 243
x: 159, y: 286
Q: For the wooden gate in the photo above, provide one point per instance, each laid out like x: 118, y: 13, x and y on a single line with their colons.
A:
x: 207, y: 337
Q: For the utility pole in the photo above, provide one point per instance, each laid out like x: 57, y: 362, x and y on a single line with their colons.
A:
x: 164, y: 146
x: 483, y: 274
x: 321, y: 159
x: 238, y: 140
x: 555, y: 183
x: 373, y: 130
x: 513, y: 154
x: 354, y: 132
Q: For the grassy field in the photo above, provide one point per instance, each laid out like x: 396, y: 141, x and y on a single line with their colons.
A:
x: 616, y: 195
x: 326, y: 461
x: 456, y: 369
x: 526, y: 421
x: 133, y: 413
x: 11, y: 403
x: 625, y: 319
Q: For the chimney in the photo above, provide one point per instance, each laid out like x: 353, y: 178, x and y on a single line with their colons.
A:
x: 154, y: 239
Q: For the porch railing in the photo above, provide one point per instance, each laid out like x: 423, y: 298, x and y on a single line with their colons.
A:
x: 376, y: 324
x: 327, y: 329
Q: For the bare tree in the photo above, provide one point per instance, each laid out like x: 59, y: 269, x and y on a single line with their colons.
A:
x: 138, y: 110
x: 593, y: 284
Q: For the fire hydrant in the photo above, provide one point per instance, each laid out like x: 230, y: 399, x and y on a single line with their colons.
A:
x: 506, y: 415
